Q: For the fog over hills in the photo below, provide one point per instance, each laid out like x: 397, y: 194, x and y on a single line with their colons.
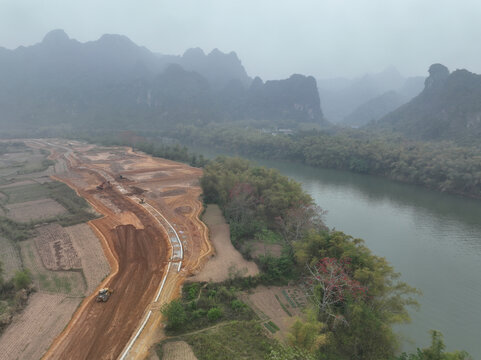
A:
x: 112, y: 82
x: 355, y: 102
x: 449, y: 107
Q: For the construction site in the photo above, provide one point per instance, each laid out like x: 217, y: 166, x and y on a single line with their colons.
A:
x: 151, y: 235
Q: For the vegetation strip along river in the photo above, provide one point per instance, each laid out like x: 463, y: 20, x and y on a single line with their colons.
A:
x: 432, y: 239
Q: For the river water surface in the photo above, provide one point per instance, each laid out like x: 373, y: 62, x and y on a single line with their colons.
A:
x: 432, y: 239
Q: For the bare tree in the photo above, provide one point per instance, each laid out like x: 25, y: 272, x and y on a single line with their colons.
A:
x: 298, y: 220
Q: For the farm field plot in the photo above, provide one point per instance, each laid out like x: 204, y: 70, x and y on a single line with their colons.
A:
x: 24, y: 193
x: 34, y: 210
x: 279, y: 304
x: 45, y: 315
x: 177, y: 350
x: 94, y: 263
x: 66, y: 282
x: 56, y: 249
x: 10, y: 258
x: 18, y: 183
x: 28, y: 193
x: 227, y: 258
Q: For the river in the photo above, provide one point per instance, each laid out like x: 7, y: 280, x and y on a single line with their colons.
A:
x: 432, y: 239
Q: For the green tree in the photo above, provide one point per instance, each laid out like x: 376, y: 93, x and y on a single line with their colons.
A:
x: 175, y: 314
x: 308, y: 333
x: 22, y: 279
x: 436, y: 351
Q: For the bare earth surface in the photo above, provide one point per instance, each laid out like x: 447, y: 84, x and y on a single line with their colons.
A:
x: 32, y: 332
x: 259, y: 248
x: 227, y: 258
x: 177, y: 350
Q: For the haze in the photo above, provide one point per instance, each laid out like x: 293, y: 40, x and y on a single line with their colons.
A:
x: 327, y: 38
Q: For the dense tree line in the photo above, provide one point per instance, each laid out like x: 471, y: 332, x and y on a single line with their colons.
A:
x: 435, y: 165
x: 368, y: 297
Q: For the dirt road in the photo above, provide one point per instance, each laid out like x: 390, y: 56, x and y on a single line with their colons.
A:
x: 137, y: 245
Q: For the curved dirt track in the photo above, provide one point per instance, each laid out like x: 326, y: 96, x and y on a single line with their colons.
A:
x: 135, y: 243
x: 101, y: 329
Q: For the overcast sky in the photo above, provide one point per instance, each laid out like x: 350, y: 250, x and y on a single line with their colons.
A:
x: 273, y: 38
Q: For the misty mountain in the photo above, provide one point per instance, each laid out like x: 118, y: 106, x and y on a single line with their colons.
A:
x: 449, y: 107
x: 381, y: 105
x: 374, y: 109
x: 218, y: 68
x: 356, y: 102
x: 112, y: 83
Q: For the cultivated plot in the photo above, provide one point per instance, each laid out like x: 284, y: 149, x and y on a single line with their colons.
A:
x: 35, y: 210
x: 10, y: 258
x: 177, y: 350
x: 32, y: 332
x: 65, y: 282
x: 94, y: 263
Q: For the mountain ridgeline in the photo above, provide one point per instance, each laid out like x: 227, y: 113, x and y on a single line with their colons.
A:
x: 112, y: 83
x: 449, y: 108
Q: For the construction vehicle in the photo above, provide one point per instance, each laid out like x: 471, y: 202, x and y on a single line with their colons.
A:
x: 103, y: 185
x: 104, y: 294
x: 141, y: 201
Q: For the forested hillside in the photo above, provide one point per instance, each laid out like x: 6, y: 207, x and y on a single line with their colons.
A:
x: 449, y: 108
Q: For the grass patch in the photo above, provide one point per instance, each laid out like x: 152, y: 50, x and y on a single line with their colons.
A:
x: 234, y: 340
x: 62, y: 284
x: 44, y: 281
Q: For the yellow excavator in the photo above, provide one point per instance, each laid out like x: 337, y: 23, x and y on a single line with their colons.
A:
x: 104, y: 294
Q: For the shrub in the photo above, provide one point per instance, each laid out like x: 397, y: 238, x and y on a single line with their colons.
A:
x: 192, y: 290
x: 214, y: 313
x: 22, y: 279
x: 237, y: 305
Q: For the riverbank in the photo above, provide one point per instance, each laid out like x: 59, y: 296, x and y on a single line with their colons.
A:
x: 431, y: 238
